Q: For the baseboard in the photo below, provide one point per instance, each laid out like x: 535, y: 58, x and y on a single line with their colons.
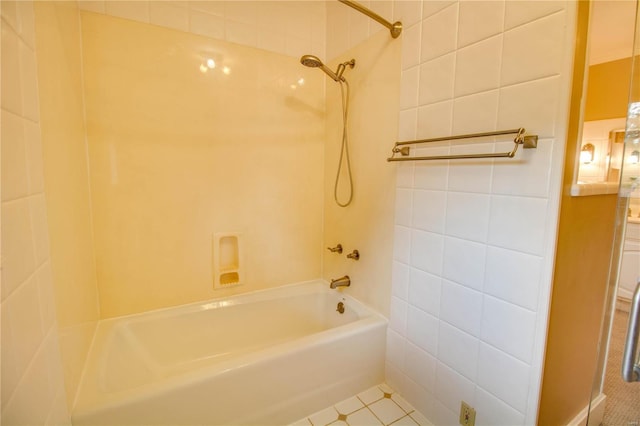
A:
x: 597, y: 413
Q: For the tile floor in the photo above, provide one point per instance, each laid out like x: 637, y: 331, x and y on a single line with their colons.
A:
x: 379, y: 405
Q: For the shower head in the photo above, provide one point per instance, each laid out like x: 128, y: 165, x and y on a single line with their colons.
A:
x: 311, y: 61
x: 314, y: 62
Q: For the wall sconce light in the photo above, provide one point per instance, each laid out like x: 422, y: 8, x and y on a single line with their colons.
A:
x: 586, y: 154
x: 634, y: 158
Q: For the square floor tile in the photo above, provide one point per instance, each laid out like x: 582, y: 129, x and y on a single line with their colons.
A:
x: 371, y: 395
x: 387, y: 410
x: 420, y: 419
x: 405, y: 421
x: 363, y: 417
x: 301, y: 422
x: 324, y: 417
x: 349, y: 405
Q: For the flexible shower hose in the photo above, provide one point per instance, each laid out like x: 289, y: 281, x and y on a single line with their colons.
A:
x: 344, y: 149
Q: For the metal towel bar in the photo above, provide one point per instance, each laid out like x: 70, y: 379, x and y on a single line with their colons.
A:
x: 527, y: 141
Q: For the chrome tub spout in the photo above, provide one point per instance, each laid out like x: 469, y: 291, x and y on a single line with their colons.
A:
x: 341, y: 282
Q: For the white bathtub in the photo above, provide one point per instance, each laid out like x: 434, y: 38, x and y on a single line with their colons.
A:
x: 265, y: 358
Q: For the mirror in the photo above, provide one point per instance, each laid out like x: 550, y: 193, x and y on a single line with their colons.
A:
x: 608, y: 75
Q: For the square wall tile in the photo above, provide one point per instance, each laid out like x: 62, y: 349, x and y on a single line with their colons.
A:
x: 424, y: 291
x: 409, y: 12
x: 33, y: 399
x: 513, y: 276
x: 479, y: 20
x: 439, y: 33
x: 17, y: 245
x: 400, y: 280
x: 410, y: 46
x: 409, y: 88
x: 11, y: 92
x: 95, y: 6
x: 404, y: 202
x: 458, y: 350
x: 38, y: 211
x: 15, y: 182
x: 429, y: 210
x: 436, y: 79
x: 9, y: 12
x: 422, y: 366
x: 398, y: 316
x: 461, y: 307
x: 246, y: 34
x: 464, y: 262
x: 451, y: 387
x: 528, y: 174
x: 492, y: 411
x: 478, y: 66
x: 26, y: 16
x: 442, y: 415
x: 422, y: 329
x: 404, y: 174
x: 471, y: 175
x: 521, y: 12
x: 467, y: 216
x: 33, y: 149
x: 395, y: 348
x: 25, y: 320
x: 133, y: 10
x: 503, y: 376
x: 210, y: 7
x: 509, y: 328
x: 530, y: 105
x: 433, y: 174
x: 29, y: 82
x: 401, y: 244
x: 476, y: 113
x: 169, y: 14
x: 206, y: 25
x: 426, y: 251
x: 44, y: 278
x: 408, y: 123
x: 434, y: 6
x: 517, y: 223
x: 534, y: 50
x: 435, y: 120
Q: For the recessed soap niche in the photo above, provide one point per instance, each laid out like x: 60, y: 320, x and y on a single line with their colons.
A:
x: 227, y: 260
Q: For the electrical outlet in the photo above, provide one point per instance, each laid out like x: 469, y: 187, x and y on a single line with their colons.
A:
x: 467, y: 415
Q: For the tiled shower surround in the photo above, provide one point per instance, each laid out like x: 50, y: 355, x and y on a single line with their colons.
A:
x: 474, y: 241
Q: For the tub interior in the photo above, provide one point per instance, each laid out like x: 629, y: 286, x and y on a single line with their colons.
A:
x: 163, y: 344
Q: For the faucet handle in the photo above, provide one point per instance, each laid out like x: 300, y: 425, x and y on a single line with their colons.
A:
x: 336, y: 249
x: 355, y: 255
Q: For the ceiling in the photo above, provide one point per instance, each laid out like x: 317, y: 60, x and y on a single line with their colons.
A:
x: 611, y: 30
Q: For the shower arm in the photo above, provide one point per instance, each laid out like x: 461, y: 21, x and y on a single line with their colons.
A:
x: 395, y: 28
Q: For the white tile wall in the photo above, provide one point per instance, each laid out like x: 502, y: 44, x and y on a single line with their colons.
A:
x: 289, y: 28
x: 32, y: 381
x: 474, y: 240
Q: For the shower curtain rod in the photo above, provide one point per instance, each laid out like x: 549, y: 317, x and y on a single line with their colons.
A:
x: 527, y: 141
x: 395, y: 28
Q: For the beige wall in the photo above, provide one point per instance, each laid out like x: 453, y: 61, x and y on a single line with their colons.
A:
x: 32, y: 379
x: 367, y: 223
x: 608, y: 90
x: 178, y: 155
x: 66, y: 177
